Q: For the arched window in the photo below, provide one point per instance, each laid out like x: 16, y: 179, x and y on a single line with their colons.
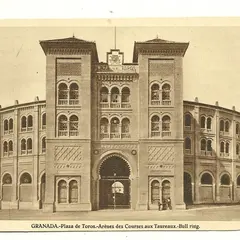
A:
x: 25, y: 178
x: 23, y: 123
x: 209, y: 145
x: 225, y: 179
x: 104, y: 132
x: 23, y: 146
x: 62, y: 94
x: 206, y: 179
x: 5, y: 148
x: 187, y: 143
x: 74, y: 94
x: 73, y: 191
x: 44, y: 121
x: 166, y: 126
x: 155, y: 94
x: 10, y: 125
x: 209, y: 123
x: 29, y: 145
x: 125, y: 95
x: 155, y: 192
x: 222, y: 126
x: 43, y: 144
x: 238, y: 181
x: 115, y: 97
x: 125, y: 128
x: 188, y: 120
x: 155, y: 126
x: 166, y: 94
x: 237, y: 149
x: 227, y: 148
x: 203, y: 145
x: 73, y: 125
x: 5, y: 125
x: 29, y: 122
x: 237, y: 128
x: 203, y: 119
x: 7, y: 179
x: 227, y: 126
x: 62, y: 191
x: 104, y: 95
x: 222, y: 147
x: 115, y: 124
x: 62, y: 125
x: 166, y: 187
x: 10, y: 147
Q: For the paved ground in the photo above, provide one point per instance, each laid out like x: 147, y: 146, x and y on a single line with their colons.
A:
x: 219, y: 213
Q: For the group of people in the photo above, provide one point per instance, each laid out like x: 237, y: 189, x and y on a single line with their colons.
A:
x: 165, y: 205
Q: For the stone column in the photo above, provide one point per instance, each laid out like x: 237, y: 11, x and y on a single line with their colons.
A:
x: 196, y: 154
x: 36, y: 145
x: 15, y: 182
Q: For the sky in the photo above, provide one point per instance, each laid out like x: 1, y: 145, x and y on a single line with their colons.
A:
x: 211, y: 65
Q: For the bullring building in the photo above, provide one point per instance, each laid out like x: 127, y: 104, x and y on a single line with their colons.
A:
x: 115, y: 135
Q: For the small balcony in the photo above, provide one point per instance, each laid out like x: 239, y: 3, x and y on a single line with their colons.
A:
x: 114, y: 135
x: 166, y: 102
x: 187, y: 151
x: 73, y: 102
x: 29, y: 151
x: 104, y: 135
x: 73, y: 133
x: 166, y: 134
x: 155, y: 134
x: 62, y: 102
x: 62, y: 133
x: 115, y: 105
x: 125, y: 135
x: 155, y: 102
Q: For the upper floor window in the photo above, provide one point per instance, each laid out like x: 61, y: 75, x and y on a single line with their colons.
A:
x: 222, y: 126
x: 62, y: 94
x: 222, y: 147
x: 125, y: 128
x: 115, y: 128
x: 166, y: 94
x: 115, y: 98
x: 104, y: 95
x: 125, y: 97
x: 227, y: 126
x: 73, y: 94
x: 29, y: 145
x: 43, y: 144
x: 237, y: 149
x: 8, y: 126
x: 155, y: 126
x: 166, y: 126
x: 68, y: 128
x: 203, y: 120
x: 155, y: 99
x: 203, y: 145
x: 27, y: 123
x: 104, y: 128
x: 5, y: 124
x: 188, y: 121
x: 227, y: 148
x: 73, y: 125
x: 23, y: 146
x: 5, y: 148
x: 188, y: 145
x: 44, y: 121
x: 237, y: 128
x: 209, y: 123
x: 62, y: 125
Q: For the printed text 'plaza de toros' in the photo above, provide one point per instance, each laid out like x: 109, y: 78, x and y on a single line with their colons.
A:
x: 116, y: 135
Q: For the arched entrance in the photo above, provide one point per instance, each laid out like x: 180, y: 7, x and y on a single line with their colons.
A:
x: 114, y: 184
x: 187, y: 188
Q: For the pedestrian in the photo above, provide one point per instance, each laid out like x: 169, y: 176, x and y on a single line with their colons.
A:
x: 169, y: 203
x: 159, y: 205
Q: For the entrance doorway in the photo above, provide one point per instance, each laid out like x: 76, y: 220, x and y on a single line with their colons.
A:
x: 114, y: 184
x: 187, y: 189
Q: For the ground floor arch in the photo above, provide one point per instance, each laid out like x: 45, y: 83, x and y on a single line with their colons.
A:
x: 114, y: 183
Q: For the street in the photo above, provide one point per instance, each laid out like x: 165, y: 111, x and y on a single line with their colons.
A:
x: 222, y: 213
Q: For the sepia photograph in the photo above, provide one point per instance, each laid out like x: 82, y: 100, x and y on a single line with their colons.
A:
x: 120, y: 123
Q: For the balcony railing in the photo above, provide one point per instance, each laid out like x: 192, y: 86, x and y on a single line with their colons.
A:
x: 125, y: 105
x: 155, y: 134
x: 10, y: 153
x: 43, y: 150
x: 155, y: 102
x: 73, y: 102
x: 104, y: 104
x: 62, y: 101
x: 5, y: 154
x: 125, y: 135
x: 23, y: 129
x: 10, y: 130
x: 73, y: 133
x: 187, y: 128
x: 23, y: 152
x: 115, y: 105
x: 104, y: 135
x: 29, y: 128
x: 62, y: 133
x: 187, y: 151
x: 166, y: 134
x: 115, y: 135
x: 166, y: 102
